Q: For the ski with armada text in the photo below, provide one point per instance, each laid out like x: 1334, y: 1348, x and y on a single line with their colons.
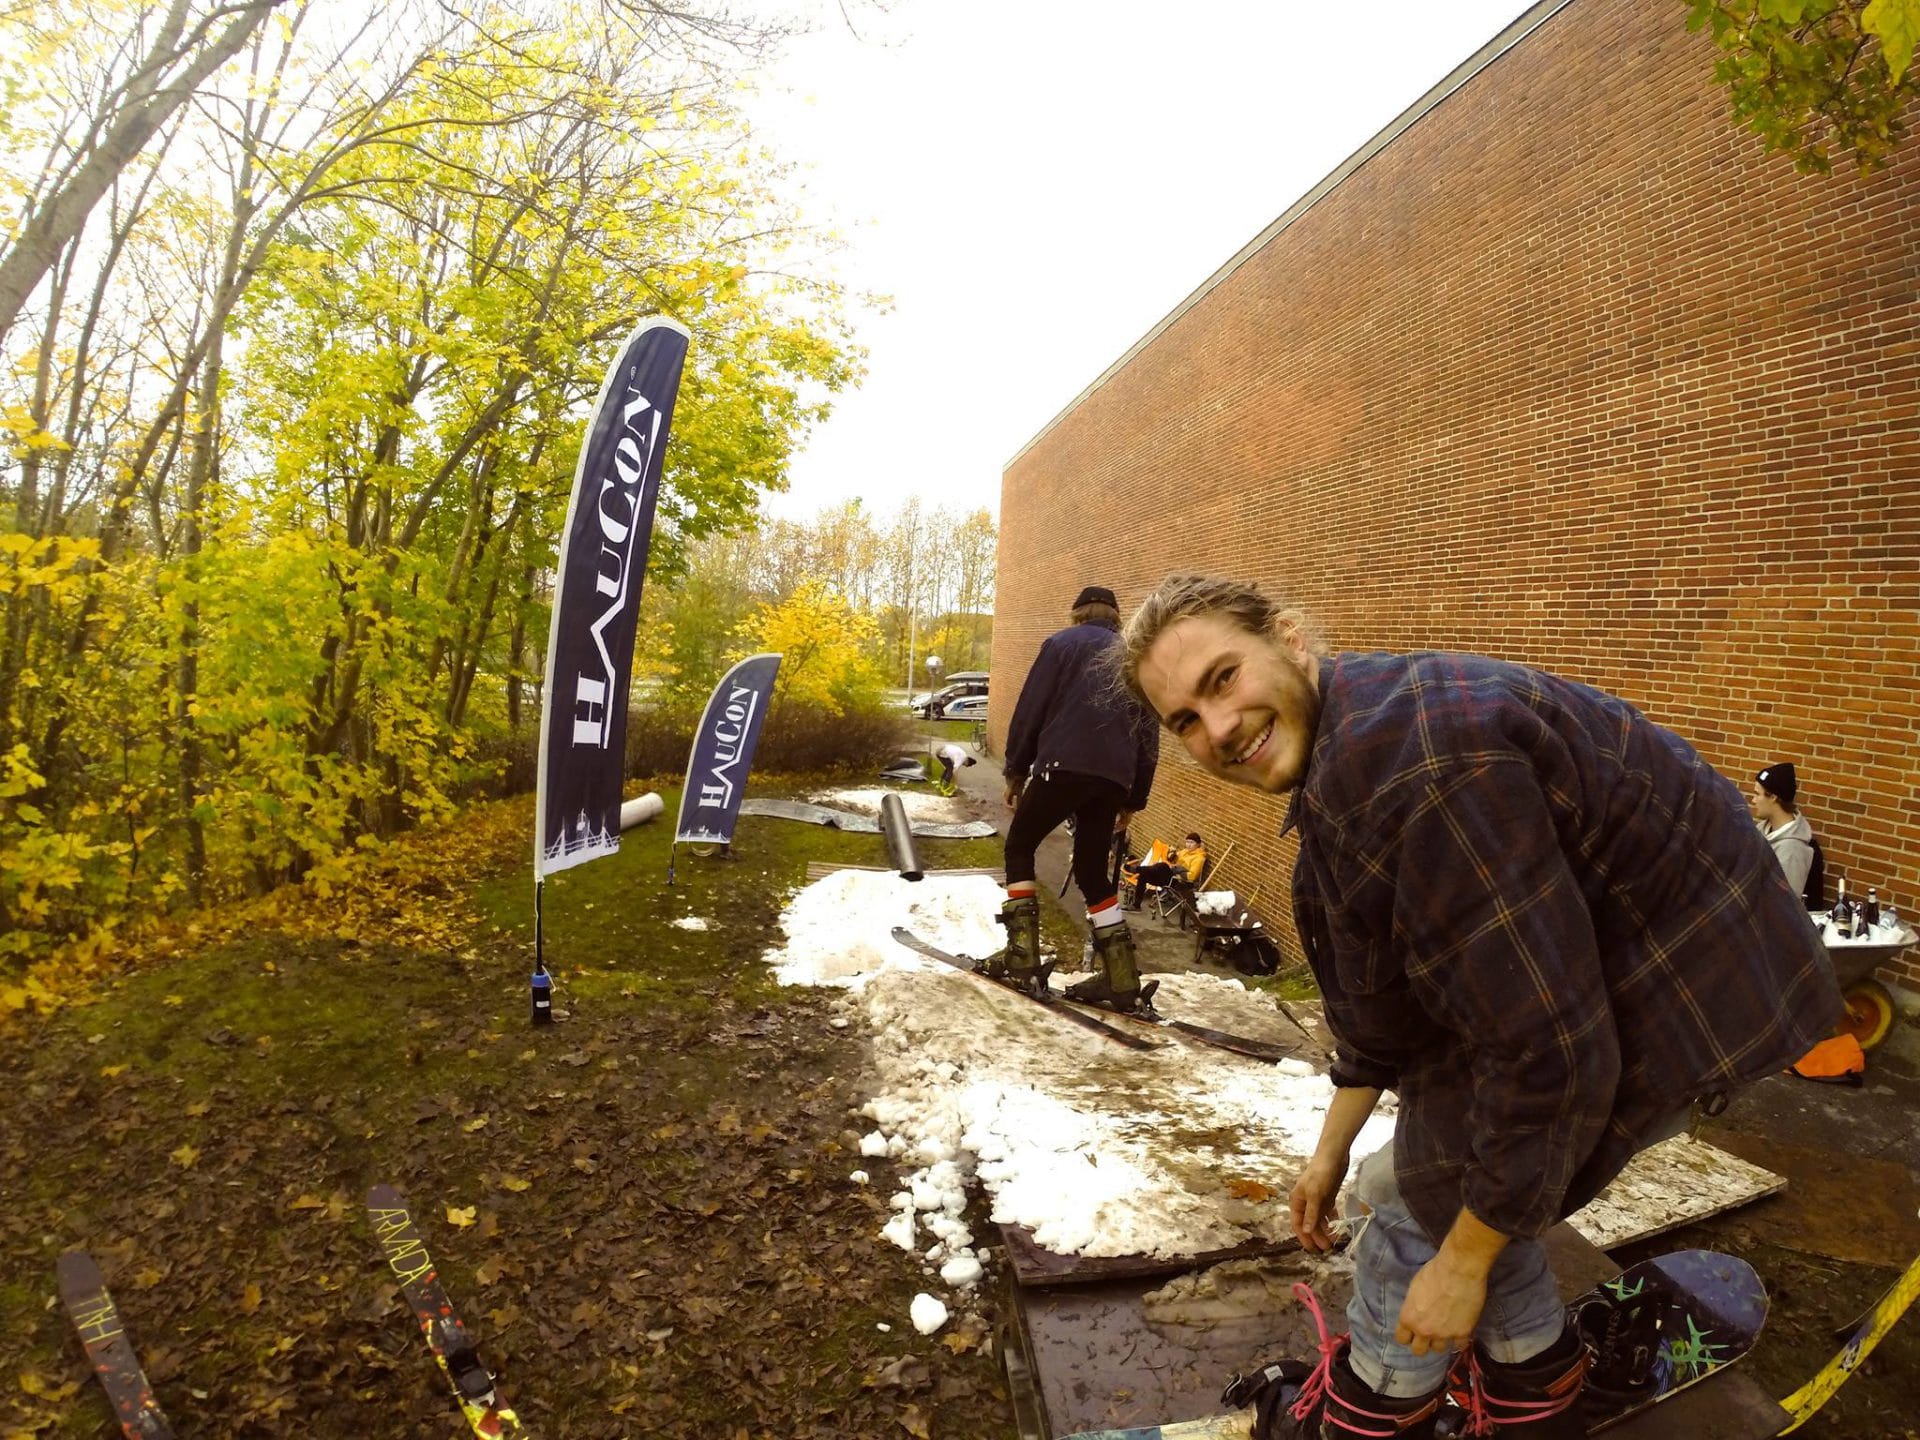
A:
x: 84, y: 1292
x: 1065, y: 1012
x: 453, y: 1347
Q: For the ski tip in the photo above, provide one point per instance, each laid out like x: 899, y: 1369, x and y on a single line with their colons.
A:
x: 385, y: 1197
x: 78, y: 1272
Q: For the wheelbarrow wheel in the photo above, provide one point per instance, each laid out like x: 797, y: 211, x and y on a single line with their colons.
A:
x: 1869, y: 1012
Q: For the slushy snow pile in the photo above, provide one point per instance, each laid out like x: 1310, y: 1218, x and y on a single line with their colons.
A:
x: 1097, y: 1149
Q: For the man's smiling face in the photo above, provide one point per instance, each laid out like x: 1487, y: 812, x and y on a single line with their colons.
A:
x: 1244, y: 705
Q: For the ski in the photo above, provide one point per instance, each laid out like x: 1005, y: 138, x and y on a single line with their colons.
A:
x: 84, y: 1292
x: 1066, y: 1012
x: 1243, y: 1045
x: 1861, y: 1338
x: 452, y: 1346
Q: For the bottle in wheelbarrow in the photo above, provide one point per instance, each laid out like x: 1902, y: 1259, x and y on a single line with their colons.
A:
x: 1841, y: 917
x: 1870, y: 917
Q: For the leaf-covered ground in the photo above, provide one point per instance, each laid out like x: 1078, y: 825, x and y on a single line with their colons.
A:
x: 644, y: 1211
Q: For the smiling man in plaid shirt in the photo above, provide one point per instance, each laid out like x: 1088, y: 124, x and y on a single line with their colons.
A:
x: 1540, y: 918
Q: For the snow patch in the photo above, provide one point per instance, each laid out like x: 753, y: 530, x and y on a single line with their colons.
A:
x: 927, y: 1313
x: 691, y: 922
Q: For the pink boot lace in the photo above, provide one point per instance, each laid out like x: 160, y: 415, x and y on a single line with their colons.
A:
x: 1486, y: 1413
x: 1340, y: 1413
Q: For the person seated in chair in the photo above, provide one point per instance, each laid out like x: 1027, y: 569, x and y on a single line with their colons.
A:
x: 1191, y: 858
x: 1187, y: 863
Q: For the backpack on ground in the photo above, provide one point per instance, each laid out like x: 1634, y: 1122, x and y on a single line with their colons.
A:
x: 1838, y: 1060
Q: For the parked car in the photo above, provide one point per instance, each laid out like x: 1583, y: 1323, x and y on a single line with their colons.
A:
x: 966, y: 685
x: 966, y: 707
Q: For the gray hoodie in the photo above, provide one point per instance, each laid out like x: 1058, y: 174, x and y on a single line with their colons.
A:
x: 1793, y: 843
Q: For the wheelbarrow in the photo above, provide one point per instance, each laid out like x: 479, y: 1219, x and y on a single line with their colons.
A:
x: 1870, y: 1011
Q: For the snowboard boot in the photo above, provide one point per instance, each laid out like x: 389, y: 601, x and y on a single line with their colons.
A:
x: 1293, y: 1400
x: 1117, y: 980
x: 1019, y: 964
x: 1538, y: 1399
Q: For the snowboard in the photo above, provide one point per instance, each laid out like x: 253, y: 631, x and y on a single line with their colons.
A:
x: 1652, y: 1331
x: 84, y: 1292
x: 453, y: 1348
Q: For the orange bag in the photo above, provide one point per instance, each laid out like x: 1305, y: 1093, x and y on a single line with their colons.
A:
x: 1838, y: 1060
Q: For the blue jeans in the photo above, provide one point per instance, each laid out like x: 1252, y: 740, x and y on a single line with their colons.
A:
x: 1523, y: 1314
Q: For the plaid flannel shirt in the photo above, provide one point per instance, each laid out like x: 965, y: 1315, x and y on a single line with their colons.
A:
x: 1540, y: 918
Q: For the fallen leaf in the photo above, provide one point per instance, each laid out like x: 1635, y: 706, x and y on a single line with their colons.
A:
x: 250, y: 1298
x: 109, y: 1072
x: 197, y: 1108
x: 173, y: 1000
x: 479, y: 1122
x: 913, y: 1420
x: 186, y: 1157
x: 1250, y: 1190
x: 515, y: 1183
x: 461, y: 1218
x: 308, y: 1202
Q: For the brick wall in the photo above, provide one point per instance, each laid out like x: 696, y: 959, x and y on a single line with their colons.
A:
x: 1567, y: 373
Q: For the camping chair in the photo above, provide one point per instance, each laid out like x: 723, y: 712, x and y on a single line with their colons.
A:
x: 1158, y: 853
x: 1175, y: 899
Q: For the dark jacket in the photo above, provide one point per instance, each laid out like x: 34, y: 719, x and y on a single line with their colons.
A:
x: 1072, y: 715
x: 1542, y: 919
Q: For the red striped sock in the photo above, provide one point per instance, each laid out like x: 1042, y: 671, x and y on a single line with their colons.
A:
x: 1021, y: 889
x: 1107, y: 912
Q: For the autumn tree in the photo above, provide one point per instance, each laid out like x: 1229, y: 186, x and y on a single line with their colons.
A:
x: 292, y: 422
x: 826, y: 647
x: 1817, y: 79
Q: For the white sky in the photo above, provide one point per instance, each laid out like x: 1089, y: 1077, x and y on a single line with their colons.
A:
x: 1036, y: 183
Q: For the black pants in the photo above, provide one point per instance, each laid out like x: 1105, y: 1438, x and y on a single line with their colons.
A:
x: 1044, y: 805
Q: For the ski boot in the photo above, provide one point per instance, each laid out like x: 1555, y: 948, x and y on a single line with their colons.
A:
x: 1293, y: 1400
x: 1116, y: 982
x: 1019, y: 964
x: 1537, y: 1398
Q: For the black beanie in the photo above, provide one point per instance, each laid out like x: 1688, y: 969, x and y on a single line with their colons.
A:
x: 1778, y: 781
x: 1096, y: 595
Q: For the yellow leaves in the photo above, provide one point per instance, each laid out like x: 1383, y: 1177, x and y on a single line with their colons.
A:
x: 249, y: 1298
x: 173, y: 1000
x: 308, y: 1202
x: 460, y: 1218
x: 1251, y: 1190
x: 197, y: 1108
x: 515, y: 1183
x: 479, y: 1122
x: 186, y: 1157
x: 41, y: 1389
x: 112, y: 1072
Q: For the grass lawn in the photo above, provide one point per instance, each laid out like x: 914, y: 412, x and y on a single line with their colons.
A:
x: 643, y: 1211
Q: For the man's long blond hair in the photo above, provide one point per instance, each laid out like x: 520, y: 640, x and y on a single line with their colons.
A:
x: 1184, y: 596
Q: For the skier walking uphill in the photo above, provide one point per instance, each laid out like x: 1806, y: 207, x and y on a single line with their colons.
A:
x: 1080, y: 747
x: 1542, y: 919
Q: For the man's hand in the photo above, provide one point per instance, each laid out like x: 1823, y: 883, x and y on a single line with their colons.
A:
x: 1014, y: 787
x: 1443, y: 1305
x: 1312, y: 1201
x: 1122, y: 820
